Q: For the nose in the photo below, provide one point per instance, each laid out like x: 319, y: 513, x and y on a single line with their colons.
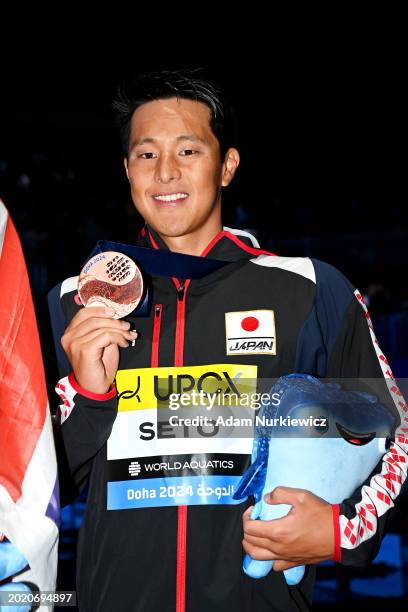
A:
x: 167, y: 169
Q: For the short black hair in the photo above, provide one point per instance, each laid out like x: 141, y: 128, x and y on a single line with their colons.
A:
x: 186, y: 83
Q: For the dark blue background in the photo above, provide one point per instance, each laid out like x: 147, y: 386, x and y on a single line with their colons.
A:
x: 323, y: 137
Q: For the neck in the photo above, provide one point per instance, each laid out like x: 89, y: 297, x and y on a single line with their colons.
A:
x: 191, y: 244
x: 187, y: 245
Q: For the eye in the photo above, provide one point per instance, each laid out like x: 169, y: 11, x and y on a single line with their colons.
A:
x: 354, y: 438
x: 188, y: 152
x: 147, y: 153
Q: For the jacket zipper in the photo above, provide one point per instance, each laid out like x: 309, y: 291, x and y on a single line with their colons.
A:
x: 180, y: 320
x: 154, y: 362
x: 178, y: 361
x: 181, y: 558
x: 182, y: 510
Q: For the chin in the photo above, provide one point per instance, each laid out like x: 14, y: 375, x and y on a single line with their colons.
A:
x: 172, y: 230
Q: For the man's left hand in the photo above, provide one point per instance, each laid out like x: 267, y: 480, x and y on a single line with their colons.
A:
x: 304, y: 536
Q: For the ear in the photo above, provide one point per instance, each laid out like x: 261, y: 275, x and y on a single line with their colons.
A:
x: 229, y: 166
x: 125, y: 162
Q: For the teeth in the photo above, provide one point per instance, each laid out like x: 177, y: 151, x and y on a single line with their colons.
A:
x: 171, y: 197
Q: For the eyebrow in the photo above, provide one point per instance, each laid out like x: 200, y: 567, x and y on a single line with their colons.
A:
x: 191, y: 137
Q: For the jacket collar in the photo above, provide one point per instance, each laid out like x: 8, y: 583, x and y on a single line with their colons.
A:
x: 228, y: 245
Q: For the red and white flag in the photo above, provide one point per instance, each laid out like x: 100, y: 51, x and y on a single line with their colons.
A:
x: 29, y: 499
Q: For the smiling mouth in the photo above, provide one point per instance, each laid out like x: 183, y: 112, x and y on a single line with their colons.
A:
x: 170, y: 199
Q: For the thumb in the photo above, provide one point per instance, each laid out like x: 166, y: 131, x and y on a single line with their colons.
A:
x: 282, y: 495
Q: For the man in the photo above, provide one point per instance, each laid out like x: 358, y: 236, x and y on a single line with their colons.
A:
x: 179, y: 155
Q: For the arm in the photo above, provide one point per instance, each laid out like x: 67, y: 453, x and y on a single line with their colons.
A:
x: 85, y: 423
x: 354, y: 353
x: 337, y: 341
x: 88, y: 409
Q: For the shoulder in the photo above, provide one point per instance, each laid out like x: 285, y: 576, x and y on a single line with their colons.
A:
x: 333, y: 288
x: 322, y: 274
x: 301, y: 266
x: 328, y: 275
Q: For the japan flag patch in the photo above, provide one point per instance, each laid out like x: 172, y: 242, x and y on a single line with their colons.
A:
x: 250, y: 332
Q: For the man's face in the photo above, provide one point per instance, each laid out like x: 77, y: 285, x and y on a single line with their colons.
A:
x: 174, y: 168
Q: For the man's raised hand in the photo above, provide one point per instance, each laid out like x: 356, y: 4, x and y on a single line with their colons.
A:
x: 91, y: 342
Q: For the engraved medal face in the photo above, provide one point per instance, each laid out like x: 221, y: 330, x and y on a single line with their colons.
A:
x: 113, y: 280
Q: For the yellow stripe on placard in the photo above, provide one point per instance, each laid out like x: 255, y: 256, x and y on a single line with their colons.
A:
x: 144, y: 388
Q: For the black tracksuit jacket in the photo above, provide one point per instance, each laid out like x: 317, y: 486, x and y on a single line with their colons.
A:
x: 150, y: 558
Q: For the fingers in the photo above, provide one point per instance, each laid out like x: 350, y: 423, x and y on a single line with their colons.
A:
x: 95, y: 341
x: 95, y: 323
x: 91, y: 311
x: 91, y: 342
x: 273, y: 529
x: 258, y: 542
x: 303, y: 536
x: 291, y: 496
x: 264, y: 546
x: 285, y: 495
x: 265, y: 539
x: 258, y: 553
x: 281, y: 565
x: 261, y: 551
x: 88, y: 319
